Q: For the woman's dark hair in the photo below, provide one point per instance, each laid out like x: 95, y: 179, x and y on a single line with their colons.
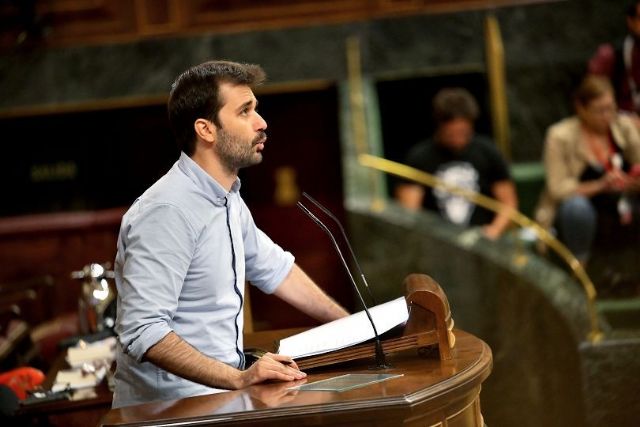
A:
x: 454, y: 103
x: 195, y: 95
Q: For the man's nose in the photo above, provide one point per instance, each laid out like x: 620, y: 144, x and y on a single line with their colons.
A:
x: 261, y: 123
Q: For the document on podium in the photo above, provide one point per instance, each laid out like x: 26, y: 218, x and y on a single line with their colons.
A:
x: 345, y: 332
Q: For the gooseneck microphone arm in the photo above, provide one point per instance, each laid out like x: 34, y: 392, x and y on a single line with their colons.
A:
x: 344, y: 237
x: 381, y: 362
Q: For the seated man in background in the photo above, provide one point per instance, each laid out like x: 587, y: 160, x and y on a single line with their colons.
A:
x: 457, y: 156
x: 589, y: 162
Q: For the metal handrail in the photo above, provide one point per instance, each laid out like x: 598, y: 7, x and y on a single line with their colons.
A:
x: 421, y: 177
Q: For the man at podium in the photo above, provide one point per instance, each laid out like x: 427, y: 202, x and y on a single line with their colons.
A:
x: 187, y: 245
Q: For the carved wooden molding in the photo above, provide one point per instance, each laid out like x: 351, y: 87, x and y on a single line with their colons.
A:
x: 72, y: 22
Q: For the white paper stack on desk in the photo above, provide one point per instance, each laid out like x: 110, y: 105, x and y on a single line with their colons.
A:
x: 89, y: 353
x: 77, y: 378
x: 89, y: 362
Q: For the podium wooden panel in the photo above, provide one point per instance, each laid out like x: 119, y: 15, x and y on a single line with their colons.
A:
x: 431, y: 392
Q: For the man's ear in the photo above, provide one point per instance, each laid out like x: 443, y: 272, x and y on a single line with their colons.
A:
x: 205, y: 130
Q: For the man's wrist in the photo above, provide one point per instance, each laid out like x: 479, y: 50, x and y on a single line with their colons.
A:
x: 492, y: 231
x: 235, y: 379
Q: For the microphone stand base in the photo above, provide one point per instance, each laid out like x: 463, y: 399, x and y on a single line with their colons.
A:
x: 380, y: 367
x: 381, y: 360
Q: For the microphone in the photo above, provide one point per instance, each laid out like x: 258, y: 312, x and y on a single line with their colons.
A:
x: 346, y: 240
x: 381, y: 362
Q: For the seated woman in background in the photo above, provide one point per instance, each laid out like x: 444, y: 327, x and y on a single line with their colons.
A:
x: 592, y: 163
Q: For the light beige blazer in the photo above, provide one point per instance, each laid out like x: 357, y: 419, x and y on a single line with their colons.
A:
x: 566, y: 155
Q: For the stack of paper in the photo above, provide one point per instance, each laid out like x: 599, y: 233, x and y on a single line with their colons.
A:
x: 89, y: 362
x: 77, y: 379
x: 103, y: 350
x: 345, y: 332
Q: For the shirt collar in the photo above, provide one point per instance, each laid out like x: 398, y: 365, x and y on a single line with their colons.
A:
x: 212, y: 189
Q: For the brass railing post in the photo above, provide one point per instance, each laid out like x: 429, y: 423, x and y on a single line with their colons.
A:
x: 359, y: 117
x: 494, y: 53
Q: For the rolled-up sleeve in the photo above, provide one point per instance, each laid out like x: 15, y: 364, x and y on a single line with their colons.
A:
x: 155, y: 248
x: 267, y: 264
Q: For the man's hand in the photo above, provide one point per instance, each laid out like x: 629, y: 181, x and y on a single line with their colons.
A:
x: 410, y: 196
x: 175, y: 355
x: 270, y: 367
x: 504, y: 192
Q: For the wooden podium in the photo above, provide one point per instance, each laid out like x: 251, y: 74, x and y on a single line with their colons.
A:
x: 440, y: 388
x: 429, y: 324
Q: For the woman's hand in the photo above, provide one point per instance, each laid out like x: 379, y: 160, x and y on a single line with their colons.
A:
x: 615, y: 181
x: 633, y: 186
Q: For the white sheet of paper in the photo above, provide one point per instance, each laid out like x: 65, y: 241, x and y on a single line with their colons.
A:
x: 345, y: 332
x: 89, y: 353
x: 75, y: 379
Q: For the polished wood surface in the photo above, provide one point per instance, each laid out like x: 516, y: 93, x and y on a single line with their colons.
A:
x: 431, y: 392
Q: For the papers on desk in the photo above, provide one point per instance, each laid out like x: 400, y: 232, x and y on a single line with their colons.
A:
x: 90, y: 363
x: 77, y: 378
x: 343, y: 333
x: 92, y: 352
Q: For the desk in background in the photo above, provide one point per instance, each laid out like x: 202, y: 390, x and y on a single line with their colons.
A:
x: 67, y: 413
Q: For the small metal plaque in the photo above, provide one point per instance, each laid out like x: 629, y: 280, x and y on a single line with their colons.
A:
x: 345, y: 382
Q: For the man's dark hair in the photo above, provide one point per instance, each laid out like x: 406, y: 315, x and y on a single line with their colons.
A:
x: 454, y: 103
x: 632, y: 8
x: 195, y: 95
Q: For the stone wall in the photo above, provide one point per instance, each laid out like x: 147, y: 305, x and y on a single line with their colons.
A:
x: 546, y: 47
x: 529, y: 310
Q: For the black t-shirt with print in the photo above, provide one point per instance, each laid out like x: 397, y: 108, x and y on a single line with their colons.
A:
x: 476, y: 167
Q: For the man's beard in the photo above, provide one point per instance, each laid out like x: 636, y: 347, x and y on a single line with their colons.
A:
x: 236, y: 153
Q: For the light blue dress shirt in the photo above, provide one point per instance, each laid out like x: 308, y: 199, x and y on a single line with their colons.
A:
x: 185, y: 249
